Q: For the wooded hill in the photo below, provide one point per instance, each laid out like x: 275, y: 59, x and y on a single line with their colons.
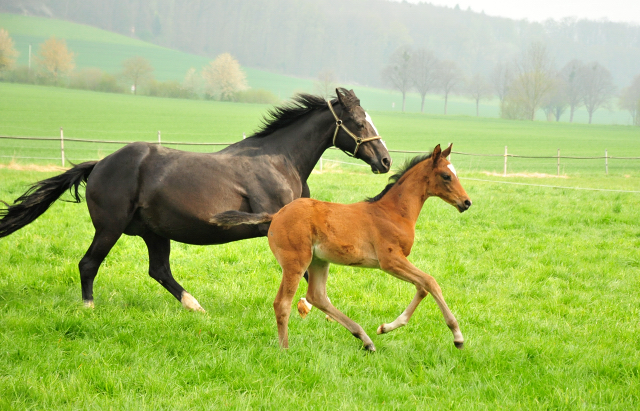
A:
x: 353, y: 38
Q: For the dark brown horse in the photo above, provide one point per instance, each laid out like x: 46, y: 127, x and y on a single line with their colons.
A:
x: 162, y: 194
x: 378, y: 233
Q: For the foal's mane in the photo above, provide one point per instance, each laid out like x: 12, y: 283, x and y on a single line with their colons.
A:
x: 282, y: 116
x: 408, y: 165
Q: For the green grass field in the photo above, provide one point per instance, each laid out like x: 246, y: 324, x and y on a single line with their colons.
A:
x: 106, y: 50
x: 543, y: 282
x: 40, y: 111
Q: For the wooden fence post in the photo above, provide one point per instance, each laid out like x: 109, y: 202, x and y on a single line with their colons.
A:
x: 159, y: 139
x: 558, y: 162
x: 504, y: 173
x: 606, y: 162
x: 62, y: 146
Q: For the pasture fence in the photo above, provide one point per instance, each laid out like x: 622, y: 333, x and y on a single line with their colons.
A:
x: 96, y: 154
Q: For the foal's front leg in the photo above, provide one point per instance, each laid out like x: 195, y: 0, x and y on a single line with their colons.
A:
x: 400, y: 267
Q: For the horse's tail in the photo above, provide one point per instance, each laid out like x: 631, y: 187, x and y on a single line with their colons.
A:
x: 39, y: 197
x: 233, y: 218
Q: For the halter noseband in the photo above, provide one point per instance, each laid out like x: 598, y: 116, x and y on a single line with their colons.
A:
x: 358, y: 140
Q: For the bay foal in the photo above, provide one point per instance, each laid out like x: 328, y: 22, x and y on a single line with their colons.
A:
x: 309, y: 235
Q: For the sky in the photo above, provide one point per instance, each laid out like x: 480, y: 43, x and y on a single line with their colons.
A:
x: 540, y: 10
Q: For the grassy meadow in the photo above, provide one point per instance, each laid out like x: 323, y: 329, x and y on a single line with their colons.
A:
x: 543, y: 281
x: 27, y: 110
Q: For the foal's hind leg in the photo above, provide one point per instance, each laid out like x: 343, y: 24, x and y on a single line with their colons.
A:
x: 317, y: 295
x: 159, y: 270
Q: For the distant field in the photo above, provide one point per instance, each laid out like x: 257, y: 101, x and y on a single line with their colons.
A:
x: 99, y: 48
x: 41, y: 111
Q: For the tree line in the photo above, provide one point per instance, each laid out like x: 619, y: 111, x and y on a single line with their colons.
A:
x: 353, y: 38
x: 54, y: 64
x: 525, y: 85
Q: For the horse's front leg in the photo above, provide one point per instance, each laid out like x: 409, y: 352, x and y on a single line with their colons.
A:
x: 400, y: 267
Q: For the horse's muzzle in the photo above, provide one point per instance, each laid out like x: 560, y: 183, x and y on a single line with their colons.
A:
x: 383, y: 167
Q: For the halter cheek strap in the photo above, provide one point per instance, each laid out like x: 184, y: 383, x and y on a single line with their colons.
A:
x: 358, y: 140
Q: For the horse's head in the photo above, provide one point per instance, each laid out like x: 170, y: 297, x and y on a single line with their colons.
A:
x: 443, y: 180
x: 357, y: 136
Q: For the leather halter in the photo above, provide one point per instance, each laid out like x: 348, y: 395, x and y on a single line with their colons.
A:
x: 358, y: 140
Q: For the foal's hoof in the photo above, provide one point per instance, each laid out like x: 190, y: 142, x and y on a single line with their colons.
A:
x: 89, y: 304
x: 459, y: 344
x: 370, y: 347
x: 304, y: 307
x: 380, y: 329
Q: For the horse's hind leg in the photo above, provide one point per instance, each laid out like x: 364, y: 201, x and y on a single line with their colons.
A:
x: 317, y: 295
x: 102, y: 243
x: 159, y: 270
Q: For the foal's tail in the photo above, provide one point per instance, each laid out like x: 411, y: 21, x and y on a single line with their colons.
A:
x: 39, y: 197
x: 233, y: 218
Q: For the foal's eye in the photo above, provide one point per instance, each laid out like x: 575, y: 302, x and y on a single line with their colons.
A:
x: 446, y: 177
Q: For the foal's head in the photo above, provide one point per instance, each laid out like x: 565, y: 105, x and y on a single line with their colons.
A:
x: 442, y: 180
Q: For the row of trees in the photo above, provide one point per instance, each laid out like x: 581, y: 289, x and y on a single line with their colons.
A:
x: 222, y: 79
x: 523, y: 86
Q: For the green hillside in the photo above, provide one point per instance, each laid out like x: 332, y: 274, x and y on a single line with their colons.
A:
x: 106, y: 50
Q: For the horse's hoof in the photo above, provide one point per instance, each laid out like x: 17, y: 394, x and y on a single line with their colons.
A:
x: 459, y: 345
x: 380, y: 329
x: 191, y: 303
x: 370, y: 347
x: 304, y: 307
x: 89, y: 304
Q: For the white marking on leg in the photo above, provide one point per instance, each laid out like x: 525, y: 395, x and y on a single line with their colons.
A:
x: 306, y: 303
x: 89, y: 304
x: 453, y: 169
x: 190, y: 303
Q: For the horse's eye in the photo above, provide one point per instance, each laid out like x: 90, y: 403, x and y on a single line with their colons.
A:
x: 446, y: 177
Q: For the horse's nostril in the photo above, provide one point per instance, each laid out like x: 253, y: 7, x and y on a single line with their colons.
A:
x: 386, y: 162
x: 467, y: 203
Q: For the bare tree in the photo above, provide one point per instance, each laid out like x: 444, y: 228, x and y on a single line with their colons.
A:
x: 398, y: 73
x: 8, y: 53
x: 533, y: 80
x: 573, y: 90
x: 501, y: 77
x: 598, y: 87
x: 223, y: 77
x: 326, y: 83
x: 54, y: 58
x: 137, y: 70
x: 630, y: 99
x: 479, y: 88
x: 555, y: 103
x: 192, y: 82
x: 423, y: 73
x: 449, y: 78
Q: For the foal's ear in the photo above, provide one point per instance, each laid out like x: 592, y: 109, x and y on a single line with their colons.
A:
x: 435, y: 156
x: 447, y: 151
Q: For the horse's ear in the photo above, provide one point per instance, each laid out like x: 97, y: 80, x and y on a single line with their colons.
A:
x: 447, y: 151
x: 347, y: 98
x: 435, y: 156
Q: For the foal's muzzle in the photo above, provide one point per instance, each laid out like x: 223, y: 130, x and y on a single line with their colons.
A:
x: 463, y: 205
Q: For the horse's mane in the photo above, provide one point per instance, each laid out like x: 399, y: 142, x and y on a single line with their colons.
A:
x: 408, y: 165
x: 282, y: 116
